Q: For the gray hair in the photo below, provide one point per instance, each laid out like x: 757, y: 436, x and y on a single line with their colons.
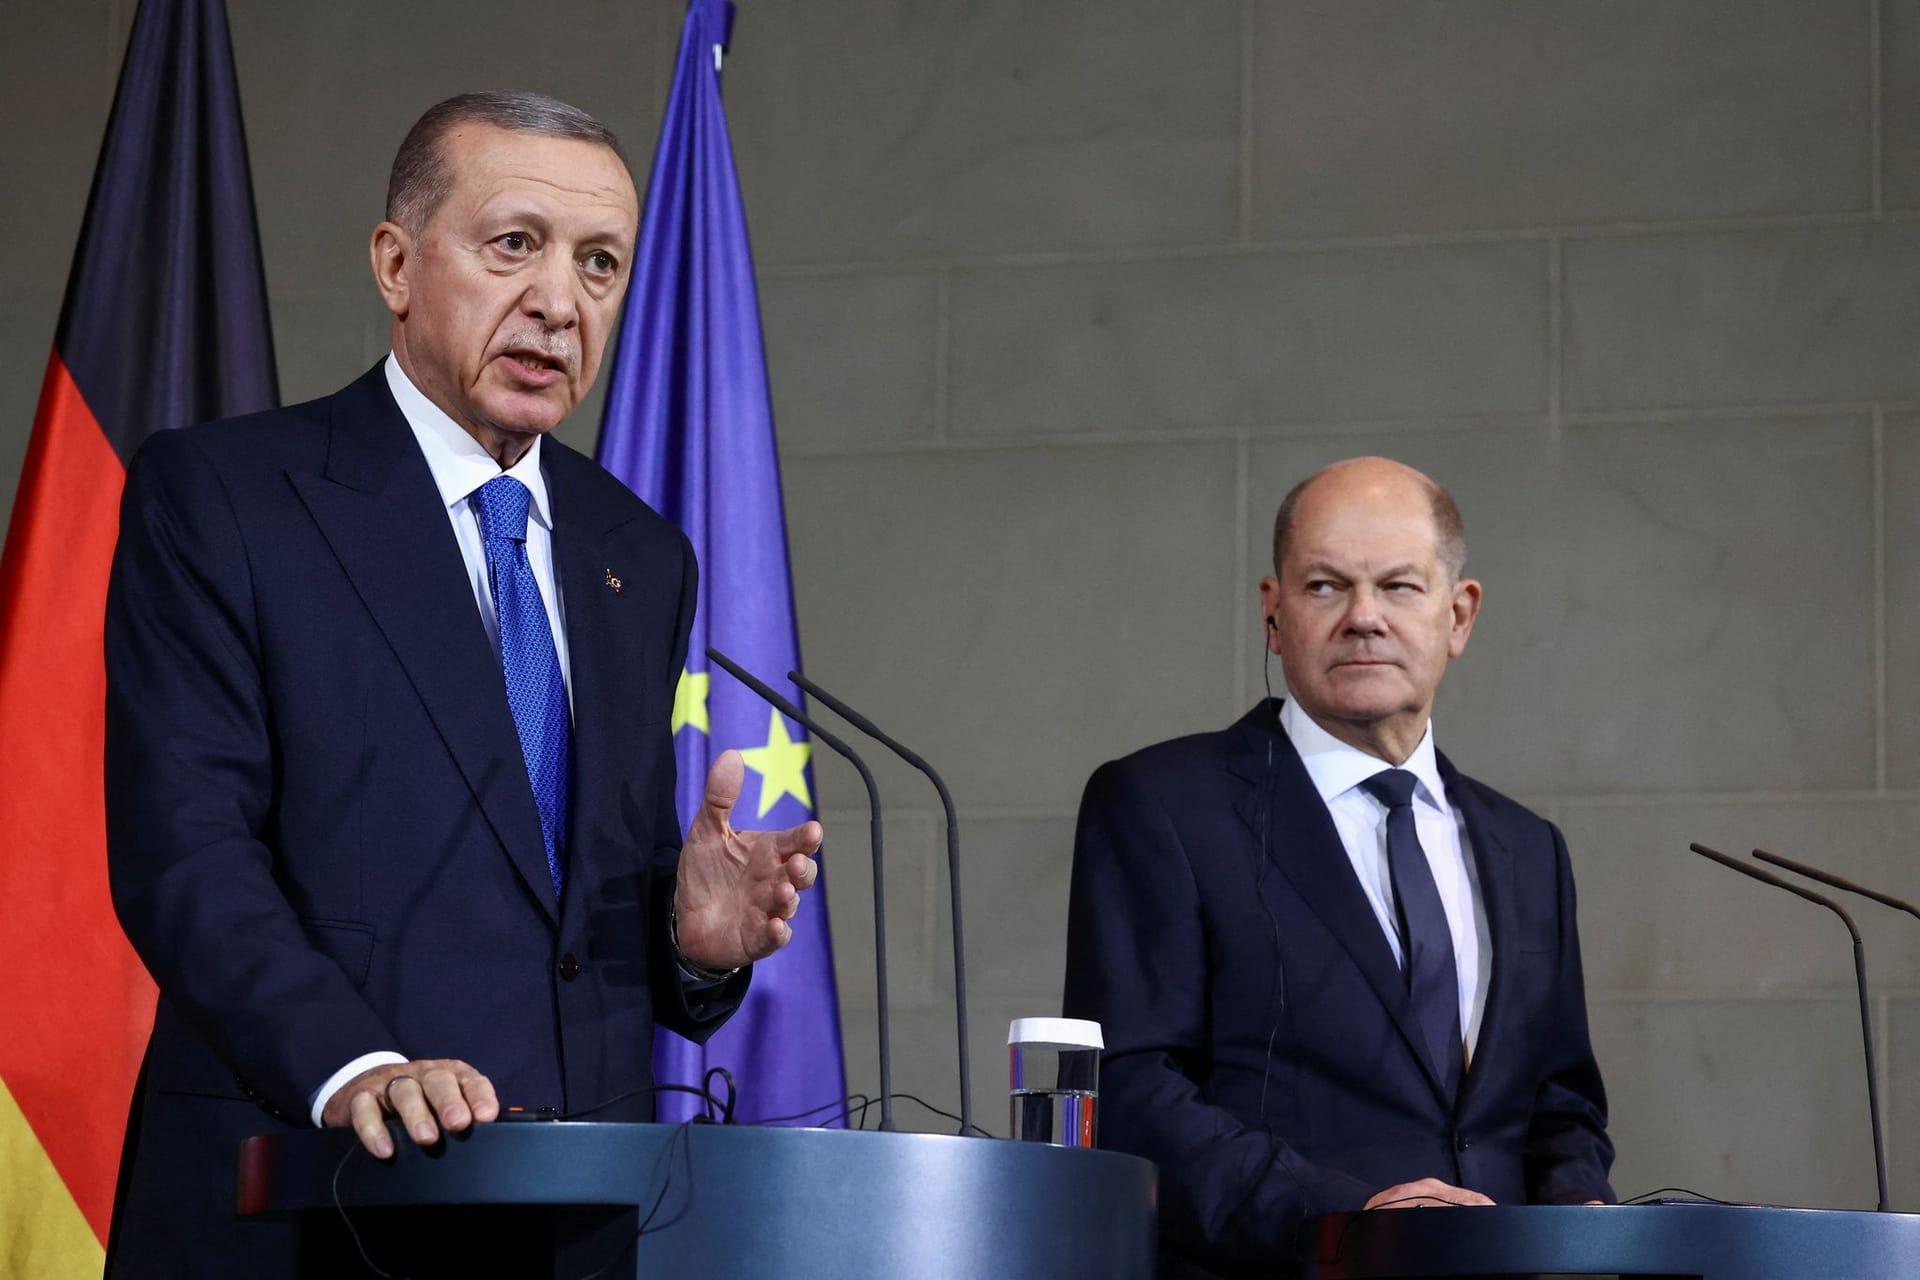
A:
x: 421, y: 178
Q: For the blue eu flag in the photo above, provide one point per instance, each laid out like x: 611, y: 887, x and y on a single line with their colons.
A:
x: 689, y: 427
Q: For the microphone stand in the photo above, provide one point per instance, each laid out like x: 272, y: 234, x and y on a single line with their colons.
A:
x: 872, y: 730
x: 1838, y: 882
x: 800, y: 717
x: 1860, y: 981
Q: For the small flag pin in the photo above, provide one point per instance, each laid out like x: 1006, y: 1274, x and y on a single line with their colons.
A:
x: 613, y: 581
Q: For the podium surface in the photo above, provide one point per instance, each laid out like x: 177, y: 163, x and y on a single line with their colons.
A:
x: 722, y: 1201
x: 1696, y: 1241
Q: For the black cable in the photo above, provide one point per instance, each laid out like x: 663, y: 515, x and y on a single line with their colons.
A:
x: 946, y: 1115
x: 706, y: 1085
x: 868, y: 1103
x: 666, y: 1156
x: 1646, y: 1196
x: 707, y: 1098
x: 682, y: 1142
x: 802, y: 1115
x: 1277, y: 996
x: 353, y: 1232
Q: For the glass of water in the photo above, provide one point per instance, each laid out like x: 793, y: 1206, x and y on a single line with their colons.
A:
x: 1053, y: 1080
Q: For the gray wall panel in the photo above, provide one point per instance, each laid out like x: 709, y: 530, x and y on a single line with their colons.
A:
x: 915, y: 130
x: 853, y: 357
x: 1247, y: 339
x: 1656, y: 918
x: 1766, y: 1096
x: 1816, y: 314
x: 1374, y: 116
x: 56, y: 85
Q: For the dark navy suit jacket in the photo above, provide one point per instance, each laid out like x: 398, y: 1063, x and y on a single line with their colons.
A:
x: 1260, y: 1046
x: 321, y: 835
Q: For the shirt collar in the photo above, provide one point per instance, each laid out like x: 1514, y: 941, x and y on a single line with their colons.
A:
x: 1337, y: 768
x: 458, y: 463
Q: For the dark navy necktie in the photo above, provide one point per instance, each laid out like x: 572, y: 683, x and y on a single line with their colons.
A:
x: 535, y: 691
x: 1426, y: 943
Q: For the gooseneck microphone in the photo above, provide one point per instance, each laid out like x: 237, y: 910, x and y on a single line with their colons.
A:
x: 800, y: 717
x: 1860, y: 981
x: 1838, y: 882
x: 873, y: 731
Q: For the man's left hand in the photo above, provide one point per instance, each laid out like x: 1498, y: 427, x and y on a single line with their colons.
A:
x: 738, y: 889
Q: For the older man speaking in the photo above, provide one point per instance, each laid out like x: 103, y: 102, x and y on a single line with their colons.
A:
x: 389, y: 771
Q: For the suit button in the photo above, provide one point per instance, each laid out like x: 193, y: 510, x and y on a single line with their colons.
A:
x: 1461, y: 1144
x: 569, y: 967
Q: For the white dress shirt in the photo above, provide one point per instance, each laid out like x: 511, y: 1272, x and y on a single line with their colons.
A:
x: 460, y: 466
x: 1337, y: 771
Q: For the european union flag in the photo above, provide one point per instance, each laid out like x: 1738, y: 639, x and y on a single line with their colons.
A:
x: 689, y: 427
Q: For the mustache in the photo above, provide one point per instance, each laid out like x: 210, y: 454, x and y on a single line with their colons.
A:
x: 551, y: 346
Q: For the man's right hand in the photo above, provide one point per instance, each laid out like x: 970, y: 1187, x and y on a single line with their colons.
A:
x: 428, y: 1095
x: 1426, y: 1193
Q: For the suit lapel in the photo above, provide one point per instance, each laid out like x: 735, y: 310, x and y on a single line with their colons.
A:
x: 1493, y: 862
x: 607, y: 664
x: 1309, y: 853
x: 379, y: 509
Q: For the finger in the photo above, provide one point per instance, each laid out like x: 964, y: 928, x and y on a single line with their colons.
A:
x: 1451, y: 1194
x: 442, y: 1089
x: 409, y: 1102
x: 802, y: 871
x: 778, y: 933
x: 775, y: 898
x: 1447, y: 1193
x: 804, y: 838
x: 724, y: 780
x: 369, y: 1121
x: 480, y: 1096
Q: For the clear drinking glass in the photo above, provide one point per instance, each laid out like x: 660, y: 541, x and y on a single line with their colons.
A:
x: 1053, y: 1080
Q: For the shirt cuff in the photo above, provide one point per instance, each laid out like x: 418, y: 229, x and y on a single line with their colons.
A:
x: 365, y: 1062
x: 701, y: 983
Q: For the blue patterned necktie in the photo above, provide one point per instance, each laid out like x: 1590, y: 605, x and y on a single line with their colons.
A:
x: 535, y: 691
x: 1426, y: 942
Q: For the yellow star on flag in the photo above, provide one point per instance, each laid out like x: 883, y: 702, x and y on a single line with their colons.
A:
x: 690, y: 701
x: 782, y: 766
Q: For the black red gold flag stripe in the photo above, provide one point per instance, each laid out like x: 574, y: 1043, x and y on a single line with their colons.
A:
x: 164, y: 324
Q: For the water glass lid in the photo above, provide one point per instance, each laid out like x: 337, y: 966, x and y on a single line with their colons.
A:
x: 1056, y: 1033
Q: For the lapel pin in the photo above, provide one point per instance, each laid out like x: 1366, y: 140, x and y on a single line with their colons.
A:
x: 613, y: 581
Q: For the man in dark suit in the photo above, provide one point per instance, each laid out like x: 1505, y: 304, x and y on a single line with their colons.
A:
x: 390, y: 774
x: 1334, y: 973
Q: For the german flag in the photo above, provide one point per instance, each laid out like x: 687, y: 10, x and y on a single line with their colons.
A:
x: 164, y: 324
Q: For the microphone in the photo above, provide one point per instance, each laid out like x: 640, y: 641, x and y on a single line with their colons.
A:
x: 1860, y: 981
x: 873, y: 731
x: 800, y: 717
x: 1838, y: 882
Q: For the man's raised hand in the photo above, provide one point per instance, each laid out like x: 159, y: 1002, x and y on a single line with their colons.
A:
x: 738, y: 889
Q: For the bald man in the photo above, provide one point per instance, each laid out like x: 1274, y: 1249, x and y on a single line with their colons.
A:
x: 1334, y: 972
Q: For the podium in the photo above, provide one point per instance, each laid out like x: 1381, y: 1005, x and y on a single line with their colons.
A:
x: 1694, y: 1241
x: 721, y: 1201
